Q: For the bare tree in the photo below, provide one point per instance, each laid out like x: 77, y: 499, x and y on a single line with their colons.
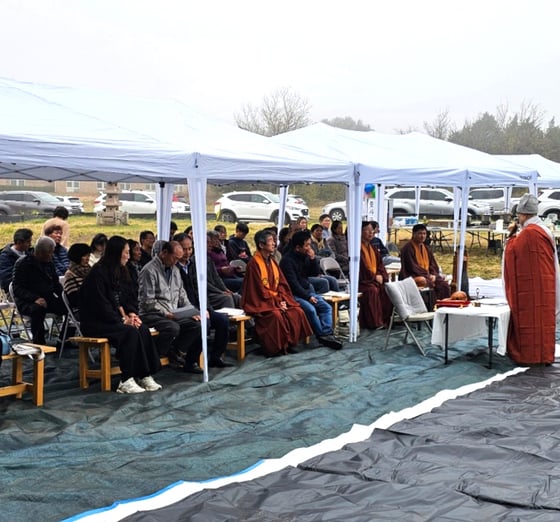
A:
x: 410, y: 128
x: 441, y: 127
x: 281, y: 111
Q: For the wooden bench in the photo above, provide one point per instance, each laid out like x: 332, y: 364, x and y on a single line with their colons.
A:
x: 106, y: 369
x: 17, y: 385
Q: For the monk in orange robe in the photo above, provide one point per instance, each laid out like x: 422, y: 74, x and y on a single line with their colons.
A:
x: 280, y: 322
x: 375, y: 306
x: 417, y: 261
x: 531, y: 284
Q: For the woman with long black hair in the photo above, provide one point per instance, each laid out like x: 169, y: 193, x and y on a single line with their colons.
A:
x: 109, y: 308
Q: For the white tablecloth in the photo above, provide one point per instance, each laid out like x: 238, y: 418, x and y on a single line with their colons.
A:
x: 470, y: 322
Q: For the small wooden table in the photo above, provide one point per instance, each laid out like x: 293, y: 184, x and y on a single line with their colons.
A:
x: 335, y: 299
x: 18, y: 385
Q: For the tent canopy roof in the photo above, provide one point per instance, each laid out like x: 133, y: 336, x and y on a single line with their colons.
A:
x: 56, y: 133
x: 549, y: 171
x: 408, y: 159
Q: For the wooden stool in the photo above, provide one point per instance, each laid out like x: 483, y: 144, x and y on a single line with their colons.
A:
x: 239, y: 344
x: 106, y: 370
x: 18, y: 386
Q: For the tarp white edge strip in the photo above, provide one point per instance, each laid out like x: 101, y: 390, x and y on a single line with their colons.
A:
x: 180, y: 490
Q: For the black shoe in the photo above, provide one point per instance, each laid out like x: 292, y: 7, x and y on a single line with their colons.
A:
x: 192, y: 368
x: 291, y: 349
x: 330, y: 341
x: 218, y: 363
x: 175, y: 360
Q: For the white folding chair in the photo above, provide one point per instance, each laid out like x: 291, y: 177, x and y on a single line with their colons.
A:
x: 409, y: 307
x: 330, y: 266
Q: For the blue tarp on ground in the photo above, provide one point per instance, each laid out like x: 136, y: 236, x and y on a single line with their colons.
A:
x: 87, y: 449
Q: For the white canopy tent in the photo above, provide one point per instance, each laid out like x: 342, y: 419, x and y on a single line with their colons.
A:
x: 59, y: 133
x: 407, y: 160
x: 549, y: 171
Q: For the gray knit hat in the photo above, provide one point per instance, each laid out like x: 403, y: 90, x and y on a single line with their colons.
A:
x: 528, y: 204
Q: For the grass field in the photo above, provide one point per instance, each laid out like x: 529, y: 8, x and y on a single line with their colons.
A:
x: 83, y: 228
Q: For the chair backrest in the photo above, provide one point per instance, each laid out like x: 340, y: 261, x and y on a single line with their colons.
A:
x: 406, y: 298
x: 330, y: 264
x: 71, y: 316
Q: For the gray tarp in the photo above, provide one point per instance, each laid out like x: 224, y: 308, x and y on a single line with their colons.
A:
x: 491, y: 455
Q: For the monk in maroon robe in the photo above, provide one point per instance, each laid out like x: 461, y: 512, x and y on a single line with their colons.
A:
x: 417, y: 261
x: 530, y: 278
x: 280, y: 321
x: 375, y: 306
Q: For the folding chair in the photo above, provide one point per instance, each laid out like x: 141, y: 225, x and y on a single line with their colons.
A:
x: 71, y: 320
x: 25, y: 321
x: 330, y: 266
x: 7, y: 308
x: 409, y: 307
x: 52, y: 321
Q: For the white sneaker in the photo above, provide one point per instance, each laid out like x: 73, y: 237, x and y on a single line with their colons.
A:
x: 129, y: 386
x: 149, y: 384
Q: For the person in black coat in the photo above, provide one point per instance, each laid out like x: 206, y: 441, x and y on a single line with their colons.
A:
x: 109, y: 308
x: 11, y: 253
x: 37, y: 290
x: 218, y: 321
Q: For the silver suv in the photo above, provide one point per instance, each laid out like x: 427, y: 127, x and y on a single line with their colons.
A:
x: 494, y: 197
x: 434, y: 202
x: 27, y: 202
x: 256, y: 206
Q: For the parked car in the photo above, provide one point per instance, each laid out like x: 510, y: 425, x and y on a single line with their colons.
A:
x: 72, y: 204
x: 336, y: 210
x: 138, y: 202
x: 434, y: 202
x: 494, y: 197
x: 27, y: 202
x: 256, y: 206
x: 179, y: 204
x: 549, y: 203
x: 294, y: 198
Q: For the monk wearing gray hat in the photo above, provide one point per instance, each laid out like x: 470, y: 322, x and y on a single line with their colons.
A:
x: 532, y: 284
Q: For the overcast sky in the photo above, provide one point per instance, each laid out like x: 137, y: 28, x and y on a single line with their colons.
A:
x: 393, y: 64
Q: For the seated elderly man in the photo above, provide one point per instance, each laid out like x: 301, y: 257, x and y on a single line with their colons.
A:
x: 218, y: 322
x: 165, y: 306
x: 280, y: 322
x: 37, y: 290
x: 417, y: 261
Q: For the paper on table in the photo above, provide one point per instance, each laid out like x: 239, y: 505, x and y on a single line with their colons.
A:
x: 232, y: 312
x: 332, y: 293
